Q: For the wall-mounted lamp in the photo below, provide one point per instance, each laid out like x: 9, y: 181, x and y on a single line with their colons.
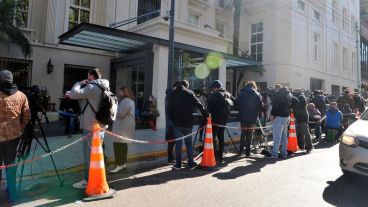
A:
x: 50, y: 67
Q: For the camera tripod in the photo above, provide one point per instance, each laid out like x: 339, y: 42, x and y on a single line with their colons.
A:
x: 25, y: 144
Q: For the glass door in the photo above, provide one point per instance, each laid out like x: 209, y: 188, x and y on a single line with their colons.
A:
x: 132, y: 77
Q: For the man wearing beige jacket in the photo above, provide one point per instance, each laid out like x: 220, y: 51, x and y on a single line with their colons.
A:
x: 14, y: 116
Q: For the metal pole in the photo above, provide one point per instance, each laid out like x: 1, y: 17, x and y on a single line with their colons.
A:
x: 358, y: 55
x: 171, y: 46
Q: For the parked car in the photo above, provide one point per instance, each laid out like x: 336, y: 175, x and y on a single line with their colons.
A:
x: 354, y: 147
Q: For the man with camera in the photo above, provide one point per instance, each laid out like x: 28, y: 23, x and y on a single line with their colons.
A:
x: 90, y: 93
x: 14, y: 116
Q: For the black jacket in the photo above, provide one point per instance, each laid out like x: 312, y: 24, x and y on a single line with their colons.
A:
x: 70, y: 105
x: 249, y: 103
x: 282, y: 102
x: 321, y: 101
x: 300, y: 109
x: 218, y: 107
x: 181, y: 105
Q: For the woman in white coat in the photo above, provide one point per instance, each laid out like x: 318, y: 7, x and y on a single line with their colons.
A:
x: 124, y: 125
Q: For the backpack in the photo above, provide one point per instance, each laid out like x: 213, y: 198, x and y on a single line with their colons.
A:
x: 106, y: 114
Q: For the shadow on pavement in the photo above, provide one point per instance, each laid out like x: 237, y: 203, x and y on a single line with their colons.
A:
x: 324, y: 144
x: 347, y: 191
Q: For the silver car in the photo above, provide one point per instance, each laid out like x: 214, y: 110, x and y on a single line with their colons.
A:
x: 354, y: 147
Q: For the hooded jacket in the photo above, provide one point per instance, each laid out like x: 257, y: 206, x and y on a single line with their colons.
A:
x: 93, y: 94
x: 282, y: 101
x: 300, y: 110
x: 249, y: 104
x: 218, y: 107
x: 333, y: 118
x: 14, y: 114
x: 181, y: 104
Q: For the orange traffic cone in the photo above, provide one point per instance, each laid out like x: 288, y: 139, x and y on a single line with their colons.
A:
x: 292, y: 140
x: 97, y: 187
x: 208, y: 158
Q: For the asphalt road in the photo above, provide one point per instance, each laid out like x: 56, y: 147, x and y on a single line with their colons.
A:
x: 303, y: 180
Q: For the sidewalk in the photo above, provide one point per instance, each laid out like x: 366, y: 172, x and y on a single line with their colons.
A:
x: 71, y: 158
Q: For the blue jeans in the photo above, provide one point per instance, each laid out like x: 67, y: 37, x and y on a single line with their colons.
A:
x: 72, y: 118
x: 280, y: 135
x: 87, y: 145
x: 179, y: 132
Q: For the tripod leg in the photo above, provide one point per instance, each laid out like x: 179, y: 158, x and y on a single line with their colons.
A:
x: 61, y: 182
x: 232, y: 141
x: 21, y: 176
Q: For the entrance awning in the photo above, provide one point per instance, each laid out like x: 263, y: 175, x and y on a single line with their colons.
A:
x: 114, y: 40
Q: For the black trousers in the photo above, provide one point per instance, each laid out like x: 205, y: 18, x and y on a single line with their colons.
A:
x: 120, y: 153
x: 8, y: 153
x: 246, y: 137
x: 170, y: 145
x: 218, y: 134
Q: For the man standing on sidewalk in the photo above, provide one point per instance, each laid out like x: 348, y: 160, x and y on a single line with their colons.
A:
x: 249, y: 103
x: 90, y: 93
x: 181, y: 104
x: 14, y: 116
x: 280, y: 116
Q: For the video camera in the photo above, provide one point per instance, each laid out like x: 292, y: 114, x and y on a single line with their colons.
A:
x: 38, y: 99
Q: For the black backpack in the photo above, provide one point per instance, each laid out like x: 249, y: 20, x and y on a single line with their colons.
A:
x: 106, y: 114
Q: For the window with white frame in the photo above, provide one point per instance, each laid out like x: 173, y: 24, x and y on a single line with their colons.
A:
x: 301, y: 5
x: 344, y: 18
x: 345, y: 59
x: 316, y: 47
x: 334, y: 55
x: 22, y: 13
x: 334, y: 11
x: 79, y: 11
x: 220, y: 28
x: 257, y: 41
x: 317, y: 16
x: 353, y: 62
x: 194, y: 18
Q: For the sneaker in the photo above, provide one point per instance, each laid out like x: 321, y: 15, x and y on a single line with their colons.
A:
x: 283, y: 156
x: 171, y: 162
x: 308, y: 151
x: 193, y: 166
x: 176, y: 168
x: 118, y: 168
x: 80, y: 185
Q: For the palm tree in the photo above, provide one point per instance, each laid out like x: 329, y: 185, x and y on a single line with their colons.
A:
x: 9, y: 33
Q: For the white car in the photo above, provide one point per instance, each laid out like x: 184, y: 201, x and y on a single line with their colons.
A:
x: 354, y: 147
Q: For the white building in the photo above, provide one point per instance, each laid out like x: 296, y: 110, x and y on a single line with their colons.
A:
x: 309, y: 44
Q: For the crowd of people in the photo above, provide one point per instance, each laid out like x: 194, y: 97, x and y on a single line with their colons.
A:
x: 315, y: 111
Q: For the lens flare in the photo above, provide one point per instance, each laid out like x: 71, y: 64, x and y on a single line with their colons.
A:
x: 201, y: 71
x: 214, y: 60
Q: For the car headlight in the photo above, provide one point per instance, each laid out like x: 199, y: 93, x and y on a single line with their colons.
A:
x: 350, y: 140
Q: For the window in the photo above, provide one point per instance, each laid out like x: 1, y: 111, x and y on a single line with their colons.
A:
x: 334, y: 11
x: 317, y: 16
x: 345, y: 59
x: 146, y: 7
x: 220, y: 28
x: 335, y: 91
x: 221, y: 3
x: 334, y: 55
x: 352, y: 25
x: 353, y: 62
x: 194, y: 19
x: 257, y: 41
x: 344, y: 18
x: 79, y: 11
x: 21, y: 14
x: 316, y: 47
x: 301, y: 5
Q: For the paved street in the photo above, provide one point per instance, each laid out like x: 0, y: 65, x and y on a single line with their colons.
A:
x: 304, y: 180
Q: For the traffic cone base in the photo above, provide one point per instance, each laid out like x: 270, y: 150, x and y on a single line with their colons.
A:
x: 109, y: 194
x: 208, y: 158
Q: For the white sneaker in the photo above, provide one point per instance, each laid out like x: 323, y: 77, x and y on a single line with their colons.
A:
x: 118, y: 168
x: 81, y: 184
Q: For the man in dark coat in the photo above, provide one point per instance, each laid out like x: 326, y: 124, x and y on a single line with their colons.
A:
x: 359, y: 102
x: 181, y: 103
x: 345, y: 99
x: 302, y: 119
x: 320, y: 101
x: 249, y: 103
x: 280, y: 116
x: 218, y: 106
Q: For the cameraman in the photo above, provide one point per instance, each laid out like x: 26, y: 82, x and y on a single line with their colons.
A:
x: 14, y: 116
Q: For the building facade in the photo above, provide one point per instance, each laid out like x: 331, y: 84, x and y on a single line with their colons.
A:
x: 307, y: 44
